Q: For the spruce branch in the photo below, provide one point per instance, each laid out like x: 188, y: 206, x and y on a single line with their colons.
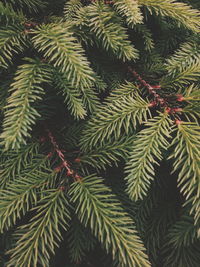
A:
x: 182, y: 245
x: 70, y: 9
x: 80, y: 18
x: 22, y: 194
x: 192, y: 112
x: 183, y: 256
x: 184, y: 14
x: 146, y: 152
x: 90, y: 99
x: 187, y: 55
x: 191, y: 95
x: 97, y: 207
x: 120, y: 116
x: 109, y: 32
x: 129, y: 9
x: 9, y: 15
x: 14, y: 161
x: 186, y: 155
x: 79, y: 99
x: 127, y: 89
x: 20, y: 116
x: 72, y: 96
x: 73, y: 134
x: 38, y: 239
x: 74, y: 102
x: 80, y: 240
x: 187, y: 75
x: 62, y: 49
x: 108, y: 154
x: 190, y: 102
x: 146, y: 34
x: 12, y: 41
x: 183, y: 233
x: 37, y: 180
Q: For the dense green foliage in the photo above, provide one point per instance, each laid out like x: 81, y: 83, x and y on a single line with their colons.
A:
x: 100, y: 135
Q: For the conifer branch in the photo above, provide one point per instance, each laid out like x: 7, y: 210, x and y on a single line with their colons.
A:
x: 108, y: 154
x: 130, y: 10
x: 80, y: 18
x: 187, y: 55
x: 192, y: 112
x: 183, y: 256
x: 123, y: 90
x: 147, y: 151
x: 112, y: 36
x: 12, y: 41
x: 72, y: 96
x: 182, y: 233
x: 182, y: 244
x: 97, y: 207
x: 187, y: 155
x: 90, y: 99
x: 114, y: 118
x: 191, y: 96
x: 22, y: 194
x: 80, y: 240
x: 70, y: 9
x: 74, y: 102
x: 9, y: 15
x: 73, y: 134
x: 14, y: 161
x: 187, y: 75
x: 79, y: 99
x: 37, y: 180
x: 62, y: 49
x: 19, y: 114
x: 181, y: 12
x: 146, y: 34
x: 38, y: 239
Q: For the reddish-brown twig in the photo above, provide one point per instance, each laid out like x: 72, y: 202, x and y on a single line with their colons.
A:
x: 64, y: 163
x: 158, y: 100
x: 151, y: 88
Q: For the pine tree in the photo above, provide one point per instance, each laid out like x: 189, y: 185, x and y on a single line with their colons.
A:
x: 100, y: 135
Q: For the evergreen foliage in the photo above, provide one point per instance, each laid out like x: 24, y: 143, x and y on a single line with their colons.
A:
x: 12, y: 40
x: 101, y: 210
x: 130, y: 10
x: 147, y: 152
x: 100, y: 135
x: 19, y: 115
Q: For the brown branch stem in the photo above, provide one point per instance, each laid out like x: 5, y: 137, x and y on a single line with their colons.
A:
x: 65, y: 164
